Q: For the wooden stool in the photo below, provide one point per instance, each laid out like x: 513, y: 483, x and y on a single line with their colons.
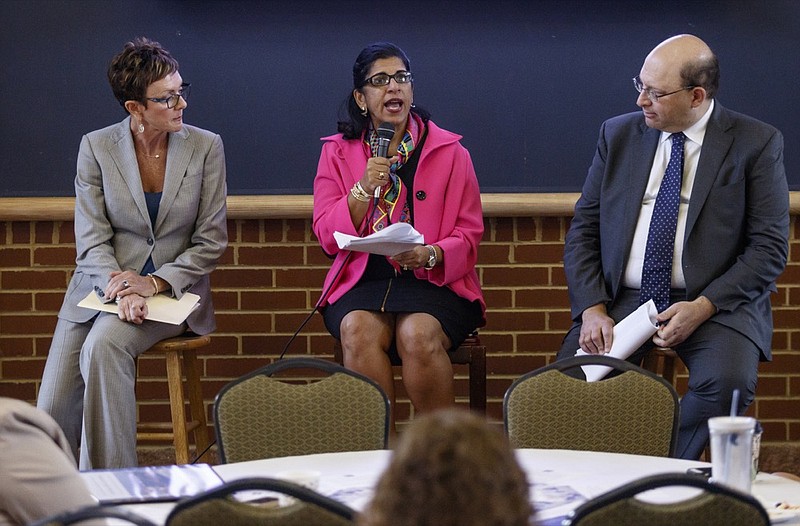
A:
x: 173, y: 349
x: 661, y: 360
x: 471, y: 352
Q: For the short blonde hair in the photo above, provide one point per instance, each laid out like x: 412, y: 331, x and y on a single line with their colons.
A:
x: 451, y: 468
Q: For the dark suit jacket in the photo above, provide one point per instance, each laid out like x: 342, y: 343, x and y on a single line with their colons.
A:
x: 112, y: 226
x: 737, y: 228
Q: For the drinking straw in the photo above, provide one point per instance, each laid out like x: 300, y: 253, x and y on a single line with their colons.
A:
x: 726, y: 446
x: 735, y: 403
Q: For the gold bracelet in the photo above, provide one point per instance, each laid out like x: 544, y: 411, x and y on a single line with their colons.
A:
x: 359, y: 193
x: 155, y: 283
x: 366, y: 196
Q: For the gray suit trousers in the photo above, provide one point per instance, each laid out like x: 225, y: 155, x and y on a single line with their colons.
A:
x: 88, y: 385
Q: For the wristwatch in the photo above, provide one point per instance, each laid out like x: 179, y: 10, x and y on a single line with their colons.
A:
x: 431, y: 257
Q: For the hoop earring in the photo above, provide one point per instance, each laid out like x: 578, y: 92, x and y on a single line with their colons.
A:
x: 364, y: 112
x: 140, y: 129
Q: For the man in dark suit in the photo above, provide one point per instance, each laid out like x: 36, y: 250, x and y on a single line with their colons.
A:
x: 731, y: 238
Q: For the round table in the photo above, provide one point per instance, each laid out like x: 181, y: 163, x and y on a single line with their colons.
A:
x: 560, y: 479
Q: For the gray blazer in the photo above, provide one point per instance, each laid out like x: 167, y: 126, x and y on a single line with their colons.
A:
x: 39, y: 473
x: 112, y: 226
x: 737, y: 227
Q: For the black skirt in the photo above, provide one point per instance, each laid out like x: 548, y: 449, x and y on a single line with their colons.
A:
x: 380, y: 290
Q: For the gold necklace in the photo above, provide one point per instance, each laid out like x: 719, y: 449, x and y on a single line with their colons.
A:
x: 156, y: 156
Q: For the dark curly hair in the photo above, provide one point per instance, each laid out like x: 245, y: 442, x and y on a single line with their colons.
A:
x: 451, y: 468
x: 139, y: 64
x: 352, y: 123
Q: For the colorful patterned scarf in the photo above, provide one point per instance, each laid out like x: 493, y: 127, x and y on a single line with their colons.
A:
x: 382, y: 213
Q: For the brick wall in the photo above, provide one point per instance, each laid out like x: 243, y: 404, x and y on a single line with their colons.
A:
x: 270, y: 278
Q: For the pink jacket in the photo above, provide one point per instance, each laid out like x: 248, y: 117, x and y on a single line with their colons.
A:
x: 450, y: 215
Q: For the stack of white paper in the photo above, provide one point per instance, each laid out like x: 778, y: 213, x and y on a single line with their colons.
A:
x: 390, y: 241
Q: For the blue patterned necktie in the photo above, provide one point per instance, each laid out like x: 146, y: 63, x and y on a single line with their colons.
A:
x: 657, y: 267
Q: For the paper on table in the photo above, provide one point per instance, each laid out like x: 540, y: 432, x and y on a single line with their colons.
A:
x: 150, y: 483
x: 629, y: 334
x: 390, y: 241
x: 160, y: 307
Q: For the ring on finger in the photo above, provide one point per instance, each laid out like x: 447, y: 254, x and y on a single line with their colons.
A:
x: 125, y: 283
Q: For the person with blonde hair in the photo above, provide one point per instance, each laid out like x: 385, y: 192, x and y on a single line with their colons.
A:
x: 451, y: 467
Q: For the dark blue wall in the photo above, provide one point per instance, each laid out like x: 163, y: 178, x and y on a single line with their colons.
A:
x: 527, y: 83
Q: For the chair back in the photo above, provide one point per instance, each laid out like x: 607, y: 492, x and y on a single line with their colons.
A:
x: 93, y: 515
x: 262, y: 416
x: 217, y: 506
x: 635, y: 412
x: 716, y: 505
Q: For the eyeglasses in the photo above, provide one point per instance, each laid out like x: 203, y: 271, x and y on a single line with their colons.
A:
x: 383, y: 79
x: 652, y: 95
x: 173, y: 100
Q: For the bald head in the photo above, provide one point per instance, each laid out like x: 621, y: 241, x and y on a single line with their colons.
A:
x: 683, y: 46
x: 683, y: 74
x: 689, y: 59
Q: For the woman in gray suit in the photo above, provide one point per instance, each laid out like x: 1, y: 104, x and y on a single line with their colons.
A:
x: 150, y: 218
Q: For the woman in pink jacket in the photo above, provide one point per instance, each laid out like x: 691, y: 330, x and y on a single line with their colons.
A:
x: 423, y: 302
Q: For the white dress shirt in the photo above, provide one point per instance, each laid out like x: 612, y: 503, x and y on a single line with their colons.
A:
x: 691, y: 154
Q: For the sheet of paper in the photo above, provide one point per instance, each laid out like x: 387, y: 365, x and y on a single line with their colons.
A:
x: 390, y: 241
x: 150, y: 483
x: 629, y: 335
x: 160, y: 307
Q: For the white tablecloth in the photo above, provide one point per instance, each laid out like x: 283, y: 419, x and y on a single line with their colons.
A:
x: 561, y: 479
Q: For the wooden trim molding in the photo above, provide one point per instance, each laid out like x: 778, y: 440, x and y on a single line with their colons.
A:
x: 300, y: 206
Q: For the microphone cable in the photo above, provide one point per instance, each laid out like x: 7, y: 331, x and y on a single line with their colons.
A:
x: 316, y: 307
x: 288, y: 343
x: 370, y: 212
x: 306, y: 320
x: 200, y: 455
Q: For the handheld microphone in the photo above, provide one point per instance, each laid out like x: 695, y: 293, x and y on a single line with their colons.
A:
x: 385, y: 134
